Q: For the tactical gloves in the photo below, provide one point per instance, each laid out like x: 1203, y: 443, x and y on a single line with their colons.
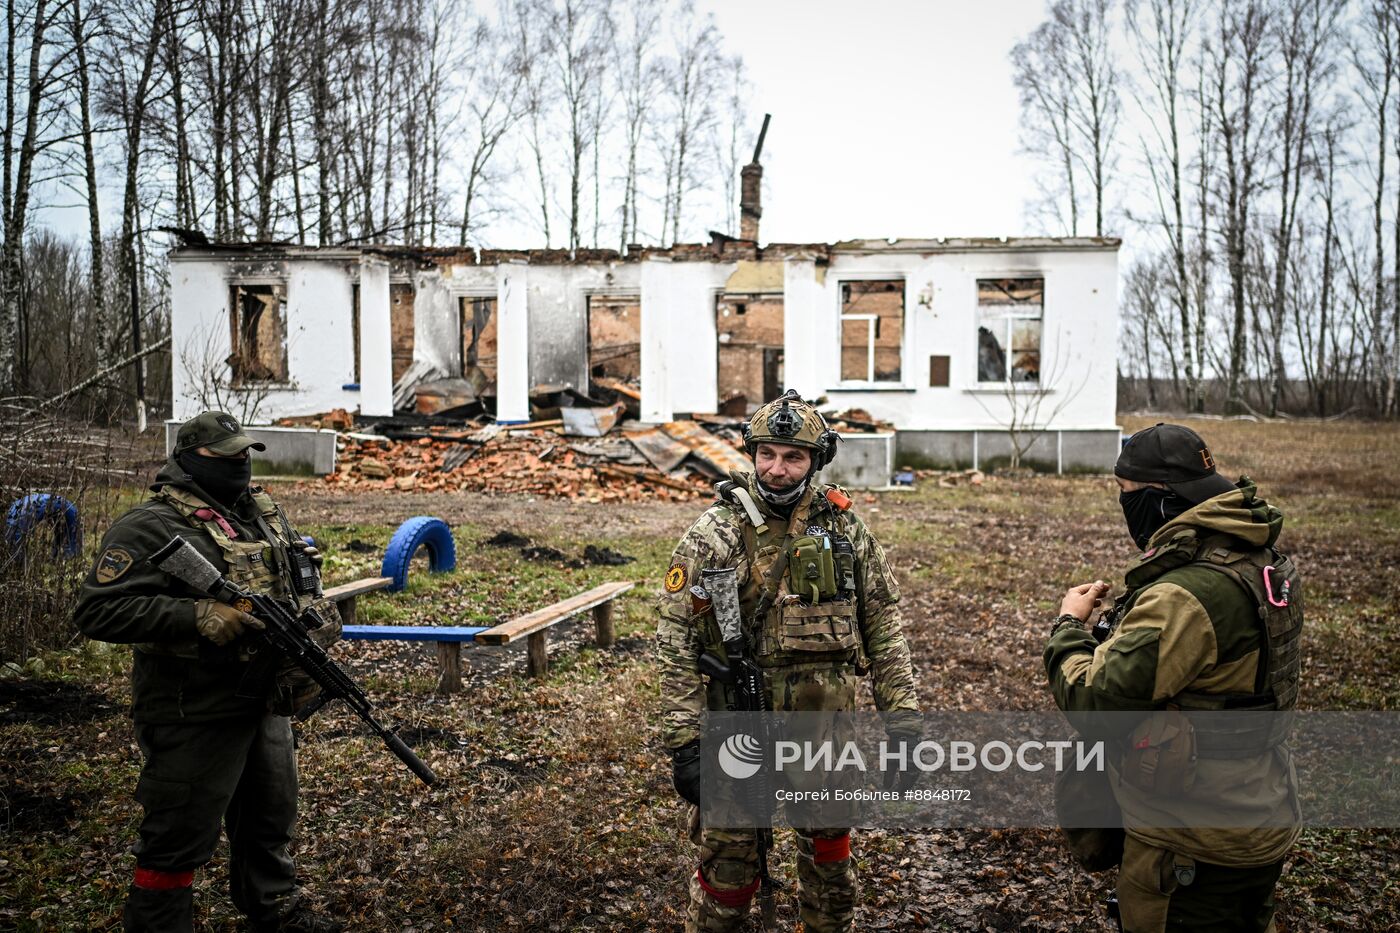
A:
x: 911, y: 734
x: 221, y: 623
x: 685, y: 771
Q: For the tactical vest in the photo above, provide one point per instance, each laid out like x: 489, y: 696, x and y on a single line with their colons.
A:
x: 1274, y: 587
x: 254, y: 564
x: 798, y: 632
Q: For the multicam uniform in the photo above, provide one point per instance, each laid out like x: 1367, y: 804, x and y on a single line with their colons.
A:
x: 1203, y: 627
x: 211, y: 755
x: 813, y: 653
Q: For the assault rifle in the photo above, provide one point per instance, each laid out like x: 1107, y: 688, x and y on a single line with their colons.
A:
x: 285, y: 635
x: 721, y: 587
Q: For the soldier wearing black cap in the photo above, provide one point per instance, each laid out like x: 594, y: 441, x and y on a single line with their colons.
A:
x: 212, y: 753
x: 1210, y: 619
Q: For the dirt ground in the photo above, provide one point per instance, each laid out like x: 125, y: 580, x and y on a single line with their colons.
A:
x: 555, y: 811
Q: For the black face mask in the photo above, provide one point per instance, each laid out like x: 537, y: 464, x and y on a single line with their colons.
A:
x: 224, y: 478
x: 1148, y: 509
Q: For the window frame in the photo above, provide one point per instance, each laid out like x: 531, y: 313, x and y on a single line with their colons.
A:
x: 233, y: 318
x: 1009, y: 317
x: 870, y: 384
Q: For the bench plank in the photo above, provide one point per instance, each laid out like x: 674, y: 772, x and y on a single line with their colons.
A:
x: 358, y: 588
x: 456, y: 633
x: 540, y: 619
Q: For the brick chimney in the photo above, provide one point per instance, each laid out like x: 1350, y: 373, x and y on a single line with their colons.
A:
x: 751, y: 190
x: 750, y: 198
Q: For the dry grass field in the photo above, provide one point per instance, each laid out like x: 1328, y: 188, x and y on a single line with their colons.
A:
x: 555, y: 811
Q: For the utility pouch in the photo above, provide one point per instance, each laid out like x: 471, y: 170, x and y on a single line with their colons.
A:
x: 826, y: 628
x: 844, y: 555
x: 1161, y: 754
x: 812, y: 569
x: 1089, y: 818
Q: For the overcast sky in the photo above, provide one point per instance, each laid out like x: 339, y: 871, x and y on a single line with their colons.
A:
x: 890, y: 119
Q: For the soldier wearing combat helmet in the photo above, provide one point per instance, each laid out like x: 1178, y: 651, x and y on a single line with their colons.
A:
x: 754, y: 526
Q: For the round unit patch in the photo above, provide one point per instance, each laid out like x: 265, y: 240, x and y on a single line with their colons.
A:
x: 675, y: 578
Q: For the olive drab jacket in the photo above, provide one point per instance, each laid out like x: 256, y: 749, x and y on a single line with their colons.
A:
x: 1200, y: 631
x: 178, y: 676
x: 813, y: 652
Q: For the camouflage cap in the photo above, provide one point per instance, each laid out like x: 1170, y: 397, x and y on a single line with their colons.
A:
x: 217, y: 430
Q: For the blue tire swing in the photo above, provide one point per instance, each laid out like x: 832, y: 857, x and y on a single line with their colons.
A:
x: 419, y: 531
x: 28, y: 514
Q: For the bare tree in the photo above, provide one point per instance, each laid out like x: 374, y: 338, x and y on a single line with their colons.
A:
x: 691, y: 82
x: 638, y: 75
x: 1160, y: 30
x: 495, y: 80
x: 1042, y: 76
x: 1094, y: 105
x: 579, y: 36
x: 1240, y: 50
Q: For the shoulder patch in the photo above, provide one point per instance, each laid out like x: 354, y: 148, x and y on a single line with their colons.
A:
x: 675, y: 578
x: 113, y: 564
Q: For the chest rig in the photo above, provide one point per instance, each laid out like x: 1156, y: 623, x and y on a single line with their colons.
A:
x: 802, y: 593
x: 1274, y: 587
x: 263, y: 566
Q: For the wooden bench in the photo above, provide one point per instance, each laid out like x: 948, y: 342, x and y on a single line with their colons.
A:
x: 534, y: 625
x: 345, y: 594
x: 449, y: 638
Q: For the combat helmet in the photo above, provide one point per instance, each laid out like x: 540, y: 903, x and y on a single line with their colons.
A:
x: 790, y: 420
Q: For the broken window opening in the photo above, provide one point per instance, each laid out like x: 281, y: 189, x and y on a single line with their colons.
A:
x: 750, y: 331
x: 401, y: 327
x: 615, y: 338
x: 1010, y: 314
x: 478, y: 328
x: 872, y: 330
x: 258, y: 333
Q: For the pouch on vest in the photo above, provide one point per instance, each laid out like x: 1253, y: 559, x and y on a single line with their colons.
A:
x: 1089, y: 818
x: 1161, y: 754
x: 812, y: 568
x: 293, y: 688
x: 826, y: 628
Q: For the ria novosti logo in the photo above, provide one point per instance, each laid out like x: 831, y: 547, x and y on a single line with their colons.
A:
x: 740, y: 756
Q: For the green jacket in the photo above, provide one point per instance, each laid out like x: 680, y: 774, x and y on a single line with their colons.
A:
x: 802, y: 673
x: 1189, y: 631
x: 177, y: 674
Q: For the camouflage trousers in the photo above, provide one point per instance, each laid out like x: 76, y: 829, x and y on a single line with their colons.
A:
x: 1219, y: 899
x: 721, y: 891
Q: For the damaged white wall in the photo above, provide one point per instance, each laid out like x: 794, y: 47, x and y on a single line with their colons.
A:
x: 543, y: 327
x: 1079, y: 336
x: 319, y: 334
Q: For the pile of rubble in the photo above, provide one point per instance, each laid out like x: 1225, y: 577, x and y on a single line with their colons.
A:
x: 578, y: 447
x: 676, y: 461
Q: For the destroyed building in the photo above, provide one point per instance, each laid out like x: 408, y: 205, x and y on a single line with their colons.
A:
x: 969, y: 348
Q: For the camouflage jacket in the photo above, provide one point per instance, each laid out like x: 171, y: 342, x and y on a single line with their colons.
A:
x: 1189, y: 633
x: 802, y: 673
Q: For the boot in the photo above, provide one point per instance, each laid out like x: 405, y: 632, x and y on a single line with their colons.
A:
x: 153, y: 911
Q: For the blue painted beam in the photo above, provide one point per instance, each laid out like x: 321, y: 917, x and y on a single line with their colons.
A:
x: 412, y: 632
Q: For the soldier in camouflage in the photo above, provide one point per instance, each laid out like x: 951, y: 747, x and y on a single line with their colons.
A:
x: 213, y: 752
x: 1210, y: 620
x: 814, y: 649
